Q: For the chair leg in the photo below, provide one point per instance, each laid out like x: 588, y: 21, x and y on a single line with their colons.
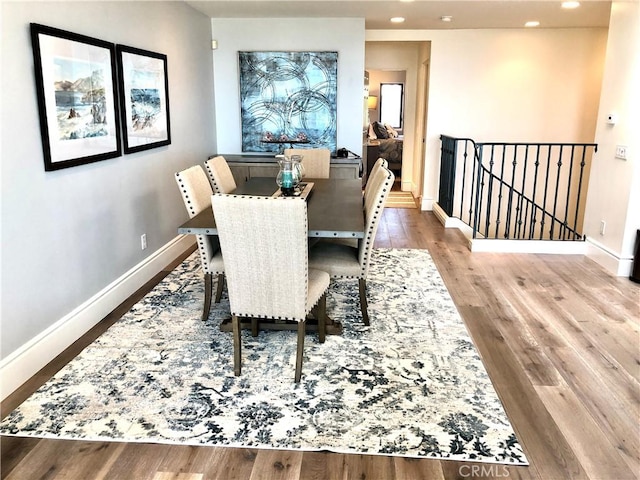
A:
x: 301, y: 333
x: 254, y: 327
x: 208, y: 278
x: 237, y: 346
x: 219, y: 287
x: 321, y: 315
x: 362, y: 283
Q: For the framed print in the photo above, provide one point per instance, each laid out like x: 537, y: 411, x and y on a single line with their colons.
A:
x: 75, y: 83
x: 287, y: 98
x: 144, y: 98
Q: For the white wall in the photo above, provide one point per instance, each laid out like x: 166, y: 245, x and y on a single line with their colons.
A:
x: 343, y: 35
x: 614, y: 189
x: 68, y: 234
x: 508, y: 85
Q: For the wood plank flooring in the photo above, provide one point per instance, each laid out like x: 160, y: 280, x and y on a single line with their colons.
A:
x: 559, y: 338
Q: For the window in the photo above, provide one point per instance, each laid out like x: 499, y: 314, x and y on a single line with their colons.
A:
x: 391, y: 97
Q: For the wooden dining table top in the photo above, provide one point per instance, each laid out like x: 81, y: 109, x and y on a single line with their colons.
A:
x: 334, y: 208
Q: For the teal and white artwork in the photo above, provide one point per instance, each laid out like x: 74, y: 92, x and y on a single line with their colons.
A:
x: 288, y: 96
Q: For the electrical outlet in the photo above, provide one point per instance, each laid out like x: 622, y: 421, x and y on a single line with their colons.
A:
x: 143, y: 241
x: 621, y: 152
x: 603, y: 225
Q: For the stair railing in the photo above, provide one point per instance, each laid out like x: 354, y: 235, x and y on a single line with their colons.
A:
x: 530, y: 191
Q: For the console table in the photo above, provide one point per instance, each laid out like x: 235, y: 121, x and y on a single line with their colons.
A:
x: 245, y: 167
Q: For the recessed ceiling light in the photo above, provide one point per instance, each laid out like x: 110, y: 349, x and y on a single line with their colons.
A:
x: 406, y: 1
x: 446, y: 18
x: 570, y: 4
x: 532, y: 23
x: 397, y: 19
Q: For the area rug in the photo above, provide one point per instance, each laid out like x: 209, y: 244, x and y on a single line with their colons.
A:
x: 411, y: 384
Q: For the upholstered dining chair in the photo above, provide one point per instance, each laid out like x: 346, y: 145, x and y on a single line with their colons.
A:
x: 316, y: 162
x: 196, y: 194
x: 342, y: 260
x: 380, y: 162
x: 264, y: 243
x: 220, y: 175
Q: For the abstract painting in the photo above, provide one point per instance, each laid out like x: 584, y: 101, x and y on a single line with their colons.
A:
x: 287, y: 98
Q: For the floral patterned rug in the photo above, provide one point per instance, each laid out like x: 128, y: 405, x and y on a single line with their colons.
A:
x: 411, y: 384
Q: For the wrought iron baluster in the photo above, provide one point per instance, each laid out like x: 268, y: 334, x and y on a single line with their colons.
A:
x: 476, y: 217
x: 490, y: 193
x: 532, y: 224
x: 521, y: 195
x: 526, y: 224
x: 514, y: 166
x: 464, y: 176
x: 501, y: 183
x: 546, y: 188
x: 582, y: 165
x: 566, y: 207
x: 473, y: 194
x: 555, y: 196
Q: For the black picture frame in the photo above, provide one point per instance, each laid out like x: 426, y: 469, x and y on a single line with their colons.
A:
x: 76, y: 89
x: 144, y: 98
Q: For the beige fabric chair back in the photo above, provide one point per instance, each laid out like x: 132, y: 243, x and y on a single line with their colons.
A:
x: 374, y: 201
x: 381, y: 162
x: 195, y: 189
x: 264, y: 244
x: 315, y: 161
x: 196, y: 193
x: 220, y: 175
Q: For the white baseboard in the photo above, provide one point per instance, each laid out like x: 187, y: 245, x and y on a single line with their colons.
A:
x: 31, y: 357
x: 426, y: 205
x: 452, y: 222
x: 528, y: 246
x: 608, y: 259
x: 508, y: 246
x: 447, y: 221
x: 440, y: 214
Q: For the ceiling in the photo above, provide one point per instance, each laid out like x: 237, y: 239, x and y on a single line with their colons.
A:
x: 419, y: 14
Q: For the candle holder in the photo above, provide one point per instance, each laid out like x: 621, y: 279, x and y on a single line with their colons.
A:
x: 288, y: 176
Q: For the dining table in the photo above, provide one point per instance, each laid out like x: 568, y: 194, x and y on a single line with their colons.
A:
x: 334, y: 207
x: 334, y: 210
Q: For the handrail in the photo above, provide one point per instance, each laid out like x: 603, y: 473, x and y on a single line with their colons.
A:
x: 526, y: 210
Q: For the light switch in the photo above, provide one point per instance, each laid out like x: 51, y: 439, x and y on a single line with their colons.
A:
x: 621, y: 152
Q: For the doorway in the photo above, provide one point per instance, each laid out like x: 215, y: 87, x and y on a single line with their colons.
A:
x: 406, y: 62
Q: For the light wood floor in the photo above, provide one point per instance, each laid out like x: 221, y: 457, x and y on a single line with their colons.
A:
x: 559, y: 338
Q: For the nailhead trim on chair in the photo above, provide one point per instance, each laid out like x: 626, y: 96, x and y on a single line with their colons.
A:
x: 200, y: 239
x: 217, y: 187
x: 237, y: 314
x: 370, y: 233
x: 214, y: 184
x: 369, y: 237
x: 306, y: 227
x: 306, y: 286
